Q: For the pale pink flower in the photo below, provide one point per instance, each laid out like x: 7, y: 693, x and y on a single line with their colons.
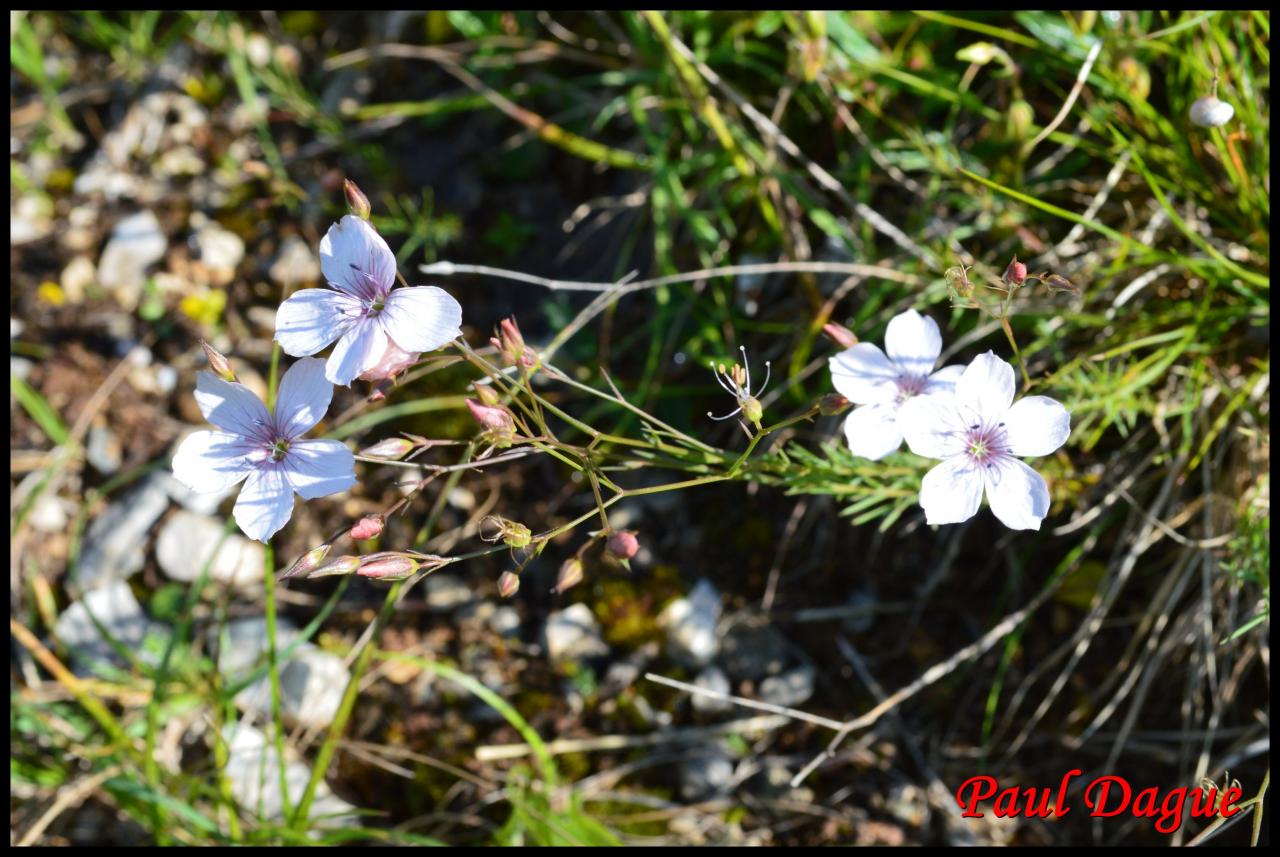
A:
x: 881, y: 384
x: 980, y: 434
x: 265, y: 449
x: 362, y: 311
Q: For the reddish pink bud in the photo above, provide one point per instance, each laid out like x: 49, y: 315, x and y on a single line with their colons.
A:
x: 831, y: 404
x: 368, y: 527
x: 1016, y: 273
x: 387, y: 566
x: 394, y: 360
x: 341, y: 565
x: 307, y: 562
x: 622, y: 545
x: 356, y: 201
x: 840, y: 335
x: 570, y: 575
x: 496, y: 421
x: 392, y: 449
x: 508, y: 584
x: 510, y: 343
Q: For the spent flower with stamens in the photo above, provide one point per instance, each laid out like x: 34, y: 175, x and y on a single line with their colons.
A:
x: 362, y: 310
x: 881, y: 384
x: 981, y: 435
x: 265, y: 449
x: 736, y: 381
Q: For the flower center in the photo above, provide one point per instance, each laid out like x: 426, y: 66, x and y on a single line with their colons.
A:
x: 908, y: 386
x: 279, y: 449
x: 985, y: 444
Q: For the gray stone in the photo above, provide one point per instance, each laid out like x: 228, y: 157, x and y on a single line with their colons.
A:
x: 296, y: 264
x: 505, y: 621
x: 103, y: 450
x: 118, y: 612
x: 199, y: 502
x: 789, y: 689
x: 713, y: 679
x: 221, y: 251
x: 751, y: 652
x: 76, y: 278
x: 113, y: 545
x: 690, y: 625
x: 20, y: 367
x: 253, y: 770
x: 706, y: 772
x: 246, y: 642
x: 29, y: 219
x: 573, y: 634
x: 136, y: 244
x: 187, y: 541
x: 50, y: 514
x: 445, y: 591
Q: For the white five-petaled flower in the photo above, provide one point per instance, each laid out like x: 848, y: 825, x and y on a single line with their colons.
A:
x: 980, y: 433
x: 865, y: 376
x: 265, y: 447
x: 362, y: 311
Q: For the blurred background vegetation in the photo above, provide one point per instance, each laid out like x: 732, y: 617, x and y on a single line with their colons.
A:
x: 171, y: 175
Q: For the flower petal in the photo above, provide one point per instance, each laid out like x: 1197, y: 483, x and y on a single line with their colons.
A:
x: 1018, y: 495
x: 1036, y: 425
x: 944, y: 380
x: 265, y: 503
x: 230, y: 406
x: 952, y: 491
x: 304, y: 397
x: 356, y: 260
x: 421, y: 318
x: 317, y: 468
x: 208, y: 461
x: 359, y: 349
x: 987, y: 387
x: 863, y: 375
x: 913, y: 342
x: 312, y: 318
x: 872, y: 431
x: 933, y: 425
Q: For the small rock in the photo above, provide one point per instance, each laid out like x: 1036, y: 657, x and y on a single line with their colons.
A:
x: 166, y: 378
x: 200, y: 503
x: 751, y: 652
x: 690, y: 624
x: 20, y: 367
x: 574, y: 634
x: 50, y: 514
x: 445, y: 592
x: 119, y: 614
x: 29, y: 219
x: 297, y: 263
x: 221, y: 251
x: 103, y: 450
x: 706, y: 772
x: 187, y: 541
x: 713, y: 679
x: 136, y: 243
x: 774, y: 782
x: 247, y: 640
x: 77, y: 277
x: 789, y: 689
x: 312, y: 683
x: 80, y: 231
x: 505, y: 621
x: 113, y: 545
x: 253, y: 770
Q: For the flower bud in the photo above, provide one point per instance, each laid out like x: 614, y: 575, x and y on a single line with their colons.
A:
x: 622, y: 545
x: 219, y: 364
x: 393, y: 361
x: 832, y: 404
x: 486, y: 394
x: 570, y: 575
x: 496, y: 421
x: 368, y: 527
x: 392, y: 449
x: 752, y: 410
x: 1210, y: 112
x: 1016, y: 273
x: 341, y: 565
x: 357, y: 202
x: 1018, y: 120
x: 508, y: 584
x: 1059, y: 283
x: 840, y: 335
x: 387, y: 566
x: 307, y: 562
x: 510, y: 343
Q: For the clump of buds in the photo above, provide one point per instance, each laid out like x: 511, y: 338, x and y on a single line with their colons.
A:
x: 341, y: 565
x: 307, y: 562
x: 832, y: 404
x: 508, y: 584
x: 840, y: 335
x: 368, y: 527
x: 510, y: 344
x: 393, y: 362
x: 392, y: 449
x: 387, y: 565
x: 219, y: 364
x: 622, y: 546
x: 498, y: 425
x: 1016, y: 274
x: 570, y: 575
x: 357, y: 202
x: 511, y: 533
